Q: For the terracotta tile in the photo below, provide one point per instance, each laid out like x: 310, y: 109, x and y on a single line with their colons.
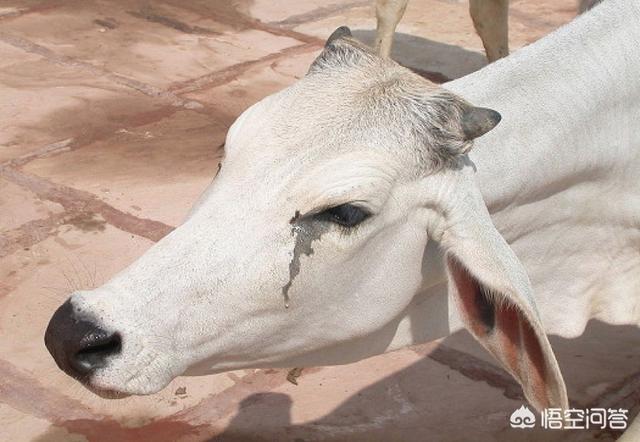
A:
x: 20, y: 206
x: 592, y: 363
x: 43, y: 103
x: 286, y: 13
x: 232, y: 98
x: 154, y: 171
x: 20, y: 426
x: 145, y: 157
x: 40, y: 279
x: 388, y: 397
x: 158, y: 44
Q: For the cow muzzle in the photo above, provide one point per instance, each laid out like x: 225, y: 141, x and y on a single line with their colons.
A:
x: 79, y: 346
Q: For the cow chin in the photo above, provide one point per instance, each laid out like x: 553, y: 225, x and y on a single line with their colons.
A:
x: 105, y: 393
x: 117, y: 383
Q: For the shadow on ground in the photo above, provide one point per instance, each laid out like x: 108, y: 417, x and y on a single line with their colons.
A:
x: 377, y: 414
x: 436, y: 61
x: 600, y: 368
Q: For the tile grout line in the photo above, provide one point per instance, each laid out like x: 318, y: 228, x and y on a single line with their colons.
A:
x: 73, y: 143
x: 320, y: 13
x: 80, y: 202
x: 170, y: 95
x: 17, y: 391
x: 618, y: 392
x: 216, y: 77
x: 83, y: 421
x: 477, y: 370
x: 284, y: 32
x: 623, y: 394
x: 46, y: 151
x: 31, y: 233
x: 29, y: 10
x: 222, y: 76
x: 242, y: 19
x: 16, y: 380
x: 66, y: 61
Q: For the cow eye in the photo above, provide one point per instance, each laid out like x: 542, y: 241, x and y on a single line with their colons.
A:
x: 345, y: 215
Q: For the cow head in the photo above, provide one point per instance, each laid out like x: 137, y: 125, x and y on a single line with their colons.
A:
x: 313, y: 234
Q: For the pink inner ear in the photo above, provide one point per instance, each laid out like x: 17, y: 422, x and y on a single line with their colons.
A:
x: 536, y: 362
x: 504, y: 330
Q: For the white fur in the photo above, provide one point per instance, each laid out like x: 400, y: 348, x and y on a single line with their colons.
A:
x: 559, y: 176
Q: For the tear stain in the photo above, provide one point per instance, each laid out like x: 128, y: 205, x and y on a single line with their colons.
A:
x: 305, y: 232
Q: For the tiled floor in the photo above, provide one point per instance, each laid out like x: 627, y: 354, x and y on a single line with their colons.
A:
x: 112, y: 117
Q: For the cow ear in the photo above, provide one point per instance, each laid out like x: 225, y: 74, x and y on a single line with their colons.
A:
x: 493, y: 295
x: 341, y: 50
x: 477, y: 121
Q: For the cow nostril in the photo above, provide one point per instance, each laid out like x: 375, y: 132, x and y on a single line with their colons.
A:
x: 79, y: 345
x: 95, y: 349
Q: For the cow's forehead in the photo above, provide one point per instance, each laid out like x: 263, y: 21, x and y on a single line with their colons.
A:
x: 361, y: 102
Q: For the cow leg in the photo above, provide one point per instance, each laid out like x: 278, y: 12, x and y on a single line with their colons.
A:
x: 490, y: 18
x: 388, y: 13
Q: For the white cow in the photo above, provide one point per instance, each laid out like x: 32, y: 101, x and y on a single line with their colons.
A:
x: 350, y: 198
x: 490, y: 18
